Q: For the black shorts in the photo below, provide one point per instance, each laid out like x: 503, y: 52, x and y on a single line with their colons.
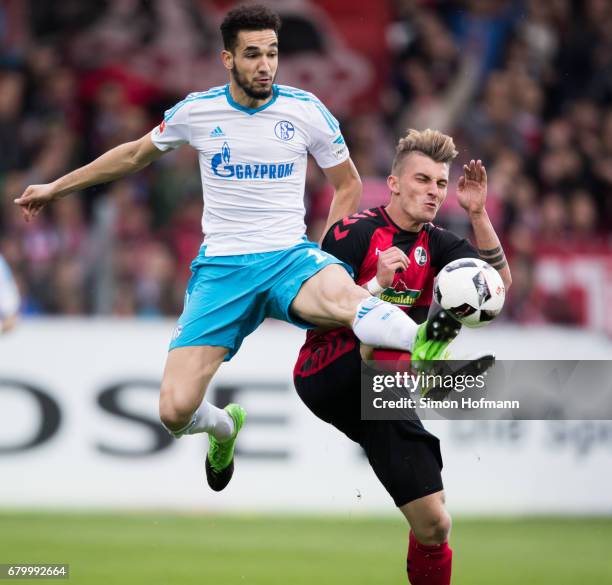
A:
x: 405, y: 457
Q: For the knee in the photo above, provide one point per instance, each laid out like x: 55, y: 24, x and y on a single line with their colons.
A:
x: 187, y: 374
x: 344, y: 298
x: 434, y: 529
x: 174, y: 413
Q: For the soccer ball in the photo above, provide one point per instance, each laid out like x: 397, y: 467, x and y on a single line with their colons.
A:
x: 471, y: 290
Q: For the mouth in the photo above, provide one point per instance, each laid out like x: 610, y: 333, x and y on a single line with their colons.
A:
x: 263, y: 80
x: 431, y: 205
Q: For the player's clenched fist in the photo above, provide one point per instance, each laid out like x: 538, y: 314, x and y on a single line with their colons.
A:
x: 34, y: 198
x: 389, y: 261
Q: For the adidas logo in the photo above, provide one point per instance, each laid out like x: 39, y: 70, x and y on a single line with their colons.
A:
x: 217, y: 132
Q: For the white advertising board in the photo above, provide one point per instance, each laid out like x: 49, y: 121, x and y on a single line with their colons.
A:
x: 79, y: 428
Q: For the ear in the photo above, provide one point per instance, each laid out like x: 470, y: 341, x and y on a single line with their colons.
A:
x: 393, y: 184
x: 228, y: 59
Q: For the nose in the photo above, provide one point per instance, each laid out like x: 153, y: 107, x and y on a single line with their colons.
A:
x: 264, y: 66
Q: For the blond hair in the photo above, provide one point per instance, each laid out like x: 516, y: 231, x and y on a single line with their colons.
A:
x: 437, y: 146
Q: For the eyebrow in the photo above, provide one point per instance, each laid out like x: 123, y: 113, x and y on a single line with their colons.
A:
x: 255, y: 48
x: 429, y: 178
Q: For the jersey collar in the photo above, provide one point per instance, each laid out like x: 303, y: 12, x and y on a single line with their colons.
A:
x: 232, y: 102
x: 387, y: 217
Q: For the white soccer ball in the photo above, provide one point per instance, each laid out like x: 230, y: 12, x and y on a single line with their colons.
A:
x: 471, y: 290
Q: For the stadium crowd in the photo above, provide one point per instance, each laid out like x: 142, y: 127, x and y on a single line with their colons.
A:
x: 524, y: 85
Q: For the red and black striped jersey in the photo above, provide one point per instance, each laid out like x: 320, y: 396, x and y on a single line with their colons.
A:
x: 357, y: 240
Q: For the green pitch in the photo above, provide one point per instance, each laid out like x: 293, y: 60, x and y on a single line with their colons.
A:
x: 165, y: 549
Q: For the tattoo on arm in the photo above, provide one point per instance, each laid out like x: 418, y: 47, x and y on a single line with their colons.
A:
x: 499, y: 265
x: 495, y: 257
x: 492, y: 260
x: 491, y: 252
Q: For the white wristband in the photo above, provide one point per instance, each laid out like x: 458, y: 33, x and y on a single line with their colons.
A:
x: 374, y: 287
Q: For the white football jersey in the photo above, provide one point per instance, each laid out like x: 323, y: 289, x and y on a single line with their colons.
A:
x: 253, y: 163
x: 9, y: 295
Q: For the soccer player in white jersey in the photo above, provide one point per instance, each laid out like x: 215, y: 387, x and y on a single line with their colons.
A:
x: 9, y: 298
x: 253, y: 138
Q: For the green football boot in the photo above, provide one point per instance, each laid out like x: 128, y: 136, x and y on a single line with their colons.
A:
x: 431, y: 345
x: 220, y: 458
x: 433, y: 336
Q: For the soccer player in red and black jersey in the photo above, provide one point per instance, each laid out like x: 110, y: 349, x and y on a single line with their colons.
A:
x: 395, y: 252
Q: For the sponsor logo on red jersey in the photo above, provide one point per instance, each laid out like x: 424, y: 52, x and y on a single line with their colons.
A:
x: 404, y: 298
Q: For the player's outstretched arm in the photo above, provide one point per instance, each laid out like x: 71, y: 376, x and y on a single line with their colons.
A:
x: 347, y: 185
x: 472, y: 196
x: 118, y: 162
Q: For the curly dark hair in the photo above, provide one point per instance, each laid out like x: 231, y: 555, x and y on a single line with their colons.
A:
x: 247, y: 17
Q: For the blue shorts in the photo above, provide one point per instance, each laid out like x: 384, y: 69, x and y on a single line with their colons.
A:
x: 228, y: 297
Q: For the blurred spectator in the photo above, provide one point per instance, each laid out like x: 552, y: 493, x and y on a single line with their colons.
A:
x: 9, y: 298
x: 553, y: 221
x: 526, y: 86
x: 12, y: 86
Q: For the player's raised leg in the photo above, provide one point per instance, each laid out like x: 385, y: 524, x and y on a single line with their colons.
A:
x: 186, y: 376
x: 429, y: 556
x: 184, y: 411
x: 331, y: 298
